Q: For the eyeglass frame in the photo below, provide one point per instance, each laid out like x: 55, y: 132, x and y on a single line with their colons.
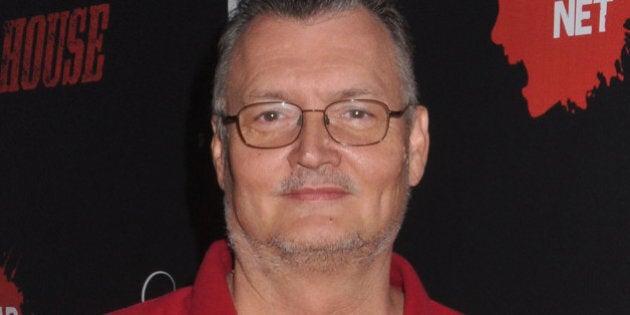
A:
x: 228, y: 119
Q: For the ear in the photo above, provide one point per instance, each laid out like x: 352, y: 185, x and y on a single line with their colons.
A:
x: 218, y: 158
x: 418, y: 144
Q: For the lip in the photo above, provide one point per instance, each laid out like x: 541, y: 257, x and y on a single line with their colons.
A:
x: 317, y: 194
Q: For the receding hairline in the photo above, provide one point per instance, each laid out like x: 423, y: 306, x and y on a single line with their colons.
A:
x: 313, y: 19
x: 315, y: 16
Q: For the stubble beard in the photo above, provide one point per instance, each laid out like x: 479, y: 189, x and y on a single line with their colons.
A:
x: 326, y: 255
x: 323, y: 255
x: 332, y: 255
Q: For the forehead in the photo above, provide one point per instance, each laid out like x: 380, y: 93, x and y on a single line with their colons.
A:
x: 328, y: 53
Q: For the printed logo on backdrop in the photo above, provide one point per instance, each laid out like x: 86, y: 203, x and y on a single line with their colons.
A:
x: 146, y: 287
x: 569, y: 47
x: 11, y: 297
x: 49, y: 50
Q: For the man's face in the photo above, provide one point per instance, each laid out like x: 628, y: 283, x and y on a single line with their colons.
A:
x: 563, y: 45
x: 315, y: 194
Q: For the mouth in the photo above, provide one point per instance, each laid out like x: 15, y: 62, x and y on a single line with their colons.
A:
x: 317, y: 193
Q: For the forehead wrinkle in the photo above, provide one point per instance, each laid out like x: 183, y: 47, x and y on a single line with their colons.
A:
x: 291, y: 74
x: 334, y: 96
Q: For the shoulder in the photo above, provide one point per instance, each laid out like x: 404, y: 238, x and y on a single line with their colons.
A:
x: 174, y: 303
x: 436, y: 308
x: 417, y: 301
x: 209, y: 291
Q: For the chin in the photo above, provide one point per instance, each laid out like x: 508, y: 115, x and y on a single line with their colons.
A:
x: 326, y: 250
x: 317, y: 239
x: 325, y: 253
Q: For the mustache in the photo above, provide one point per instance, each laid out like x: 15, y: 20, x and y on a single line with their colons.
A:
x: 302, y: 177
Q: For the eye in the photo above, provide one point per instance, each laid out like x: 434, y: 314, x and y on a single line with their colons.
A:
x: 356, y: 113
x: 269, y: 116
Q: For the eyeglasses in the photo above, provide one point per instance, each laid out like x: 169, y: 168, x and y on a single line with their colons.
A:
x: 353, y: 122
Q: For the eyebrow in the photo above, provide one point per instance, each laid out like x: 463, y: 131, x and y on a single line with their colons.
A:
x: 340, y: 95
x: 274, y: 95
x: 353, y: 93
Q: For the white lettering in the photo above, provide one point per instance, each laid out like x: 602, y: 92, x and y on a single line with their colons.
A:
x: 574, y: 17
x: 9, y: 311
x: 581, y: 15
x: 568, y: 18
x: 603, y: 10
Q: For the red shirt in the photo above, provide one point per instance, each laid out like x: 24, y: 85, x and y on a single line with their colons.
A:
x: 210, y: 294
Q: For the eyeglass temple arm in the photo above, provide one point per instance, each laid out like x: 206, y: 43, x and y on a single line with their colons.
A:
x: 229, y: 119
x: 398, y: 113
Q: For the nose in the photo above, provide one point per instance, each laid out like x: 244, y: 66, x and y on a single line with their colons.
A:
x: 314, y: 147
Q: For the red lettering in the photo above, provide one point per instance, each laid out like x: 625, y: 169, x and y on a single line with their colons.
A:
x: 61, y: 47
x: 56, y: 40
x: 76, y: 47
x: 33, y: 52
x: 11, y: 53
x: 94, y: 68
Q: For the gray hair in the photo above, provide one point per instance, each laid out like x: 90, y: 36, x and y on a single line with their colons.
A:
x: 248, y: 10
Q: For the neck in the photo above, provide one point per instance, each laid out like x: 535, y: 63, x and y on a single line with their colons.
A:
x: 361, y: 287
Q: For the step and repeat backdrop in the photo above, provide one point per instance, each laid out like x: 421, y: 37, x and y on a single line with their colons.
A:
x: 108, y: 196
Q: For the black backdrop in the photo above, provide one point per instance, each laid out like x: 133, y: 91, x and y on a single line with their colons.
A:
x: 103, y: 183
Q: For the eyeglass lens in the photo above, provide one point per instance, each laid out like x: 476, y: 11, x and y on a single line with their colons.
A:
x: 349, y: 122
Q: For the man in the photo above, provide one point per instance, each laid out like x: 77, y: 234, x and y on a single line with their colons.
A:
x: 317, y: 141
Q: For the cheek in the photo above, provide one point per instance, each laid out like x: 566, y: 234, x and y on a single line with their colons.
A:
x: 384, y: 174
x: 249, y: 169
x: 385, y: 193
x: 252, y: 175
x: 255, y: 175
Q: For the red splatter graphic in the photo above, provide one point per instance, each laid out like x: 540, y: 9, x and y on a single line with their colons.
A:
x: 11, y: 297
x: 563, y: 44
